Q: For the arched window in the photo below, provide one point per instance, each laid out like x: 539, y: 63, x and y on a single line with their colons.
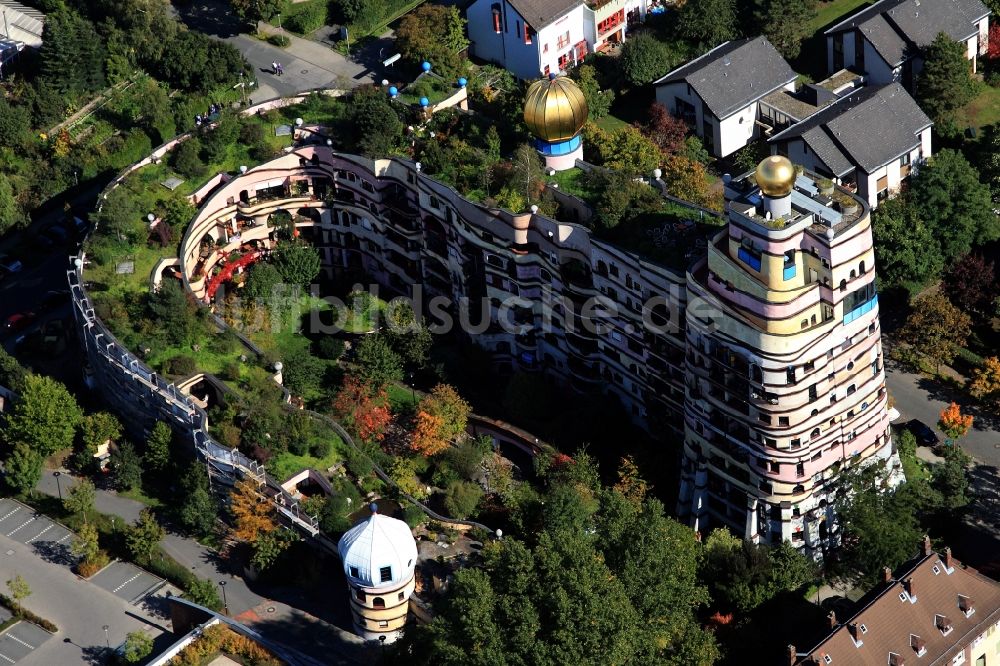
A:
x: 815, y: 433
x: 360, y: 595
x: 378, y: 602
x: 853, y: 274
x: 843, y: 285
x: 861, y: 268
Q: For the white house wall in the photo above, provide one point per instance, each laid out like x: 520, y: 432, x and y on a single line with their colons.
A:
x: 574, y: 23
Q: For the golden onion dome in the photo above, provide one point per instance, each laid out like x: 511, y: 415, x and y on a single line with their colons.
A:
x: 776, y: 176
x: 555, y: 109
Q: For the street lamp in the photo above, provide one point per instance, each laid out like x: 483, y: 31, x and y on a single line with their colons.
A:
x: 58, y: 483
x: 225, y: 602
x: 107, y: 640
x: 413, y: 392
x: 381, y: 641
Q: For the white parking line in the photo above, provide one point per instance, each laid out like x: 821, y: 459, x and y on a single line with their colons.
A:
x: 20, y: 526
x: 7, y: 658
x: 40, y: 533
x: 127, y: 582
x: 16, y: 509
x: 65, y: 537
x: 13, y: 637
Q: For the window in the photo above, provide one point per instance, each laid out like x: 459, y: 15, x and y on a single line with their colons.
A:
x: 354, y: 572
x: 497, y: 25
x: 827, y: 659
x: 800, y: 469
x: 547, y: 70
x: 527, y: 33
x: 783, y: 420
x: 790, y: 375
x: 795, y: 443
x: 383, y: 623
x: 774, y: 466
x: 959, y: 658
x: 563, y: 41
x: 385, y: 574
x: 400, y: 597
x: 864, y: 629
x: 378, y: 602
x: 517, y: 27
x: 360, y: 595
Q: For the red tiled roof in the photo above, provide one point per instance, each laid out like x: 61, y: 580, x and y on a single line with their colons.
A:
x: 908, y: 613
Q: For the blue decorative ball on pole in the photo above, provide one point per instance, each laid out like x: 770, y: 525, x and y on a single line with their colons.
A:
x: 424, y: 102
x: 393, y: 91
x: 426, y: 66
x: 462, y: 82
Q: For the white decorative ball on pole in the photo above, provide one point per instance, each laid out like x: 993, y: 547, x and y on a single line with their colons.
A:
x: 298, y: 122
x: 278, y: 366
x: 657, y: 173
x: 534, y: 209
x: 151, y: 217
x: 243, y: 168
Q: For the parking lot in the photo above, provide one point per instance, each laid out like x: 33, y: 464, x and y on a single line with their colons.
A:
x: 47, y: 538
x: 21, y: 640
x: 126, y: 581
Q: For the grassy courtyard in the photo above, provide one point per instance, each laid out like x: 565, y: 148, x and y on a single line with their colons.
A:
x: 983, y: 110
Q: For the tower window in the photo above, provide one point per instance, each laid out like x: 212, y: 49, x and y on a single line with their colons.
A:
x: 354, y: 572
x: 385, y: 574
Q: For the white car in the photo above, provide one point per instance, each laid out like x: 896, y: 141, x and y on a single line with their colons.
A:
x: 10, y: 264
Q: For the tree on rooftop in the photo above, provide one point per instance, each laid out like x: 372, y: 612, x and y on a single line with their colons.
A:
x: 378, y: 364
x: 138, y: 646
x: 175, y: 312
x: 906, y: 251
x: 434, y: 33
x: 644, y: 58
x: 598, y: 100
x: 366, y: 409
x: 44, y: 417
x: 785, y: 23
x: 688, y: 180
x: 187, y: 159
x: 377, y: 129
x: 261, y: 281
x: 945, y: 84
x: 954, y: 204
x: 15, y: 125
x: 708, y: 23
x: 297, y: 262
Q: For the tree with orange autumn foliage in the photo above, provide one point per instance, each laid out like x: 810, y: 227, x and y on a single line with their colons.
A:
x: 253, y: 514
x: 630, y: 482
x: 427, y: 438
x: 364, y: 408
x: 986, y: 382
x: 953, y: 423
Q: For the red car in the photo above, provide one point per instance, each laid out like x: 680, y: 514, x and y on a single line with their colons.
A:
x: 19, y: 321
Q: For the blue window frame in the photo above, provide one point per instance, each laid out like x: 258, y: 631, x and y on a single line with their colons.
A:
x: 789, y: 272
x: 748, y: 258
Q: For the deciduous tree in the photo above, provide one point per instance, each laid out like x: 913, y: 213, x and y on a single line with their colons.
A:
x: 80, y: 499
x: 364, y: 407
x: 138, y: 646
x: 18, y: 588
x: 44, y: 417
x: 644, y: 58
x: 936, y: 329
x: 253, y: 514
x: 157, y: 454
x: 297, y: 262
x: 708, y: 23
x: 906, y: 251
x: 785, y: 23
x: 598, y: 100
x: 126, y: 466
x: 269, y: 548
x: 688, y: 180
x: 461, y: 498
x: 953, y: 422
x: 378, y: 364
x: 251, y: 11
x: 12, y: 214
x: 426, y: 438
x: 986, y: 381
x: 23, y: 468
x: 971, y: 284
x: 85, y: 544
x: 143, y: 537
x: 664, y: 129
x: 445, y: 403
x: 945, y: 84
x: 434, y: 33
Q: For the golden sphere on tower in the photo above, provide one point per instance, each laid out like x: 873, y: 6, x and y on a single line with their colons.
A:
x: 555, y: 109
x: 776, y: 176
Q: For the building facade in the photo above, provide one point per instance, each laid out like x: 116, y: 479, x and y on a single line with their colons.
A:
x: 934, y: 610
x: 533, y: 38
x: 884, y: 40
x: 785, y: 381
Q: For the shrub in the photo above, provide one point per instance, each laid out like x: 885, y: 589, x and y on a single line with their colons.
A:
x: 182, y: 364
x: 320, y: 448
x: 310, y: 17
x: 462, y: 498
x: 187, y: 159
x: 330, y: 348
x: 413, y: 515
x: 251, y: 133
x: 88, y: 568
x: 280, y: 41
x: 231, y: 370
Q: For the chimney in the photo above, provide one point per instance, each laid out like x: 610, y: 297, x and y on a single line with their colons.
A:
x: 947, y: 558
x: 942, y: 623
x: 855, y: 632
x: 791, y: 655
x: 910, y: 588
x: 926, y: 546
x: 896, y: 659
x: 918, y: 644
x: 886, y: 575
x: 832, y: 617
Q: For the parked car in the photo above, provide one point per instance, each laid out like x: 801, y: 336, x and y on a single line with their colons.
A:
x: 77, y: 226
x: 54, y: 299
x: 924, y: 433
x: 53, y: 236
x: 9, y: 264
x: 19, y: 321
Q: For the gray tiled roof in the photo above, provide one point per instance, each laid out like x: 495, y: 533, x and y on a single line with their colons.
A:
x: 866, y: 129
x: 890, y: 25
x: 539, y: 13
x: 734, y: 74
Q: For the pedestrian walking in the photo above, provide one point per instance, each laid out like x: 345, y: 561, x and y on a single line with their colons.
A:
x: 274, y: 67
x: 281, y: 70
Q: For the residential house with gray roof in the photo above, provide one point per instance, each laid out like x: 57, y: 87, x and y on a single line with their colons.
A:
x: 534, y: 38
x: 884, y: 41
x: 719, y: 94
x: 869, y: 141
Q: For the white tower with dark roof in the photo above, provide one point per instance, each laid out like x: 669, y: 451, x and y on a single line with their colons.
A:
x: 379, y: 555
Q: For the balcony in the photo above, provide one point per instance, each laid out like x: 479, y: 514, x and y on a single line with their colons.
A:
x: 861, y: 310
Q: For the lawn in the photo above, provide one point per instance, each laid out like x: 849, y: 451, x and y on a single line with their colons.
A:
x: 574, y: 181
x: 983, y: 110
x: 828, y: 12
x: 286, y: 464
x: 611, y: 123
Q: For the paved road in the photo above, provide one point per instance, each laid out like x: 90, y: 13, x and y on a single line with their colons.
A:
x: 307, y: 64
x: 77, y: 607
x: 918, y: 397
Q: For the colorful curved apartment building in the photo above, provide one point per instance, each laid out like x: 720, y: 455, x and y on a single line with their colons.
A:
x: 785, y: 378
x: 764, y: 355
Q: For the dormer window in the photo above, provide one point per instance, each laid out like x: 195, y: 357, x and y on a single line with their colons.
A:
x: 385, y: 574
x: 918, y: 644
x: 966, y: 606
x: 943, y: 624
